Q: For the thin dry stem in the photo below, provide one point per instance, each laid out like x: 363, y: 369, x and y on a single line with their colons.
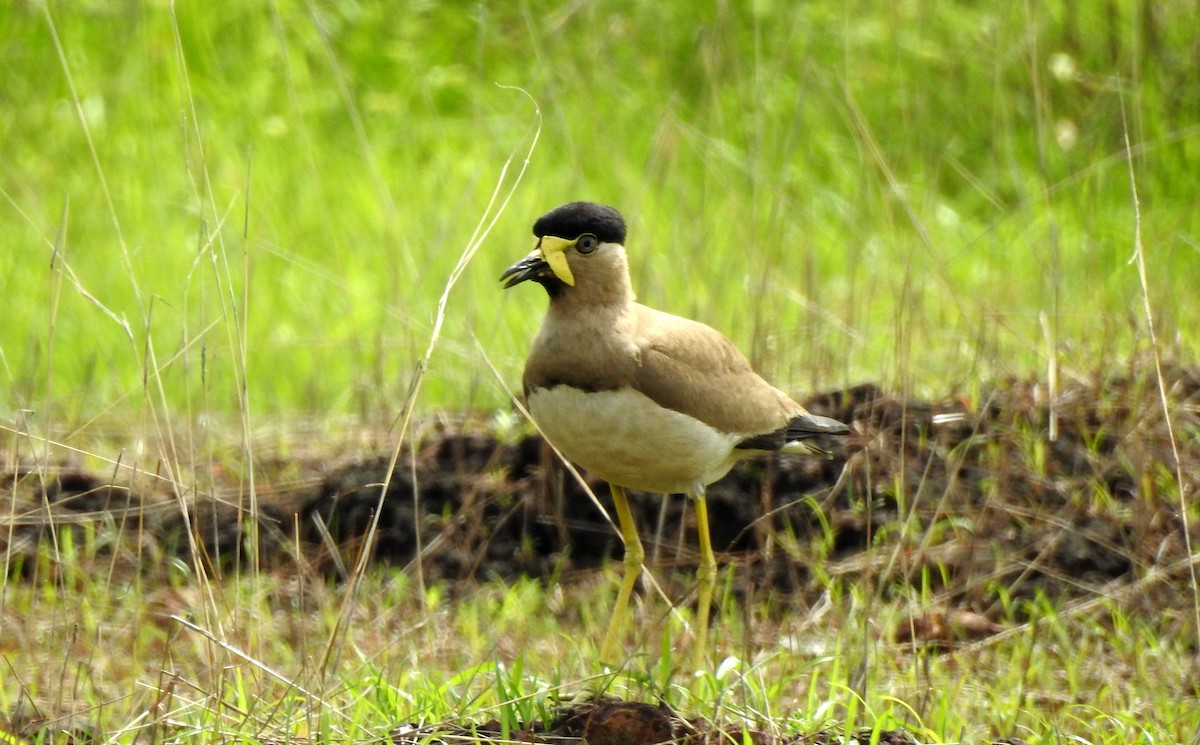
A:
x: 1139, y: 258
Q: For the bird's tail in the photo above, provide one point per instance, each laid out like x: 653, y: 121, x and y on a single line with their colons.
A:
x: 811, y: 434
x: 804, y: 434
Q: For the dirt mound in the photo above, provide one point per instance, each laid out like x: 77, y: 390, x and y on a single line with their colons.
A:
x: 608, y: 721
x: 970, y: 495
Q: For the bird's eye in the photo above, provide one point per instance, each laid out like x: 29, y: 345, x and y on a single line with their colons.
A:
x: 586, y: 243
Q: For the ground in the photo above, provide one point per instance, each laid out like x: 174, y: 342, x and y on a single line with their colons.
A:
x: 970, y: 494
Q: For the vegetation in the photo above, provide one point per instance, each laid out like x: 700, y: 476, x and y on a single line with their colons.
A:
x: 286, y: 188
x: 228, y: 231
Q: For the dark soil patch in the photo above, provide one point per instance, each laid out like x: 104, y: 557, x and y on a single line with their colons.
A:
x: 607, y: 721
x: 969, y: 495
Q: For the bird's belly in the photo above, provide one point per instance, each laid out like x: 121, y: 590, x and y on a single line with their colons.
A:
x: 627, y: 439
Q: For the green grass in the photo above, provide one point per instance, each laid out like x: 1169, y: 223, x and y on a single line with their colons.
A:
x: 223, y: 227
x: 251, y: 661
x: 278, y: 192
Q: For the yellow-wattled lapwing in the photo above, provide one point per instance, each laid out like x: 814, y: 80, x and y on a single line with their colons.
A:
x: 640, y: 398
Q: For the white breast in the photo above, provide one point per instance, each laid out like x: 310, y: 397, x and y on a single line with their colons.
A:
x: 625, y: 438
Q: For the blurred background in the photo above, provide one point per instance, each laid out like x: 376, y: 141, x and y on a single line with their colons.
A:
x: 252, y: 210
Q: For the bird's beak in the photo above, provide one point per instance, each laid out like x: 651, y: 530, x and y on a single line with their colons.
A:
x: 549, y: 257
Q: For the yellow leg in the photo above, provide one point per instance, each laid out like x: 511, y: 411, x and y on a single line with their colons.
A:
x: 634, y: 554
x: 706, y: 580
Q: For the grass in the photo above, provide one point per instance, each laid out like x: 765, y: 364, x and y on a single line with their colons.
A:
x: 229, y: 232
x: 430, y: 658
x: 136, y: 638
x: 284, y: 188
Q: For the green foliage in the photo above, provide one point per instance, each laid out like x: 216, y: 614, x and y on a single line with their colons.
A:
x: 262, y: 204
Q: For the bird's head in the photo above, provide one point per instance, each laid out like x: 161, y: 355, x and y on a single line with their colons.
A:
x: 579, y: 237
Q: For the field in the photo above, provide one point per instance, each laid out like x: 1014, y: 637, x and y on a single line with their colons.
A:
x: 250, y: 275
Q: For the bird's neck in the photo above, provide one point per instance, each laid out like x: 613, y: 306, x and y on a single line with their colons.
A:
x: 581, y: 302
x: 573, y: 337
x: 604, y: 290
x: 601, y: 284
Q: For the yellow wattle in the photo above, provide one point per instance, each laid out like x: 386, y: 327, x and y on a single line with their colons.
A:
x: 554, y: 251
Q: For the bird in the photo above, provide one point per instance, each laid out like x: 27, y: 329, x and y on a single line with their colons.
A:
x: 640, y: 398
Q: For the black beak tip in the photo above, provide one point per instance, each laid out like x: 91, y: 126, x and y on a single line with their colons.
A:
x: 512, y: 276
x: 525, y: 269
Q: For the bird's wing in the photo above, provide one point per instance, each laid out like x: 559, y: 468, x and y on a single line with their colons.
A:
x: 691, y: 368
